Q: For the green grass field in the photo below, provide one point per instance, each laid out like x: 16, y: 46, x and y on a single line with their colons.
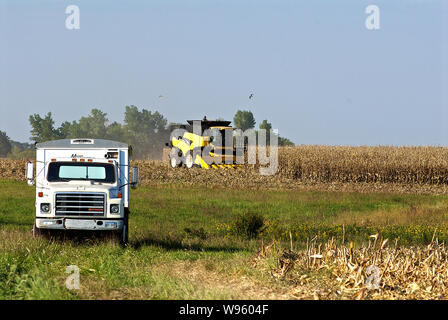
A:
x: 184, y: 244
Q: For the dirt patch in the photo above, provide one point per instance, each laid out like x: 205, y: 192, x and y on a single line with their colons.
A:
x: 238, y: 286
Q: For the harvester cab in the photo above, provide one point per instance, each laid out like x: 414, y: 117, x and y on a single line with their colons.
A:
x: 203, y: 143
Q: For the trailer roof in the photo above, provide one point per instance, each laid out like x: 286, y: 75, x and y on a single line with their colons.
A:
x: 82, y: 143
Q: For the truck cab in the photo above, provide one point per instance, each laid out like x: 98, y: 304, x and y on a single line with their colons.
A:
x: 82, y: 184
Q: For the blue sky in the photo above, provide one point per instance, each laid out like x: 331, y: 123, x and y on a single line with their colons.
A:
x: 316, y: 72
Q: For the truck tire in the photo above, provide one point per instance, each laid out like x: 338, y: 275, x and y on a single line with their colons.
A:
x: 37, y: 233
x: 124, y: 236
x: 175, y: 159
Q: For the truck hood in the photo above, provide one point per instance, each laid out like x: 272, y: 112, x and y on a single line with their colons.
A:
x: 81, y: 186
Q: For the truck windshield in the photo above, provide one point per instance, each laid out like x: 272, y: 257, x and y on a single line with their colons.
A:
x: 65, y: 171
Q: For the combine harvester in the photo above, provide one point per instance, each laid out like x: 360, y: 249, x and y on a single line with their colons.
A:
x: 202, y: 143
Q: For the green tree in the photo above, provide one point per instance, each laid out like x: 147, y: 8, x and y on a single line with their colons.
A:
x: 42, y: 129
x: 146, y: 131
x: 265, y: 125
x: 244, y: 120
x: 65, y: 130
x: 284, y: 142
x: 115, y: 131
x: 18, y: 153
x: 5, y: 144
x: 92, y: 126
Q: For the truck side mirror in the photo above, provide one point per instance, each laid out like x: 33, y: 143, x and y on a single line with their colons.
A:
x: 134, y: 179
x: 30, y: 173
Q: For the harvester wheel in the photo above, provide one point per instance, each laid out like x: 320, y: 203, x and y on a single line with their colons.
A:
x: 189, y: 161
x: 175, y: 160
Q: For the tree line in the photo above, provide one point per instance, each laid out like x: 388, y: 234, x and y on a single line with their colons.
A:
x: 245, y: 119
x: 145, y: 130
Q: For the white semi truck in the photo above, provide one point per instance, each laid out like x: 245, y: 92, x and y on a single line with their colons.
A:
x: 82, y: 184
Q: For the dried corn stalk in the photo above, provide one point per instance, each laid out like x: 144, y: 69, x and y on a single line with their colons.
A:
x: 374, y: 271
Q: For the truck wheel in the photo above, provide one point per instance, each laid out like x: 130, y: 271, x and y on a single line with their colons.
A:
x: 189, y: 161
x: 37, y: 233
x: 124, y: 236
x: 175, y: 159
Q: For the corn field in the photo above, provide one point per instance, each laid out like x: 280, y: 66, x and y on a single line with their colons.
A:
x: 378, y: 270
x: 382, y: 164
x: 422, y: 169
x: 12, y: 169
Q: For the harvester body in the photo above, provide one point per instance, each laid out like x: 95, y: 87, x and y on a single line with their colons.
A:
x: 203, y: 143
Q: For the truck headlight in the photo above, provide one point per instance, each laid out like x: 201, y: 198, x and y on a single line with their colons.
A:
x: 114, y: 208
x: 44, y: 207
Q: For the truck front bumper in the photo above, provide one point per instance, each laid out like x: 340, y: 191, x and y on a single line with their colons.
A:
x: 79, y: 224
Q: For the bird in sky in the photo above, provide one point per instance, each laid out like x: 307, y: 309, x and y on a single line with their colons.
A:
x: 251, y: 96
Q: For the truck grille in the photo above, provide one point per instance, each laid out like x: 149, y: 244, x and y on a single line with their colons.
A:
x: 80, y: 204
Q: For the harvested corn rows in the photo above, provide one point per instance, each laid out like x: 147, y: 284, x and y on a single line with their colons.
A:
x: 377, y: 270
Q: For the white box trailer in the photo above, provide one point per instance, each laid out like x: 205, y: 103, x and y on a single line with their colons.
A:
x: 82, y: 184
